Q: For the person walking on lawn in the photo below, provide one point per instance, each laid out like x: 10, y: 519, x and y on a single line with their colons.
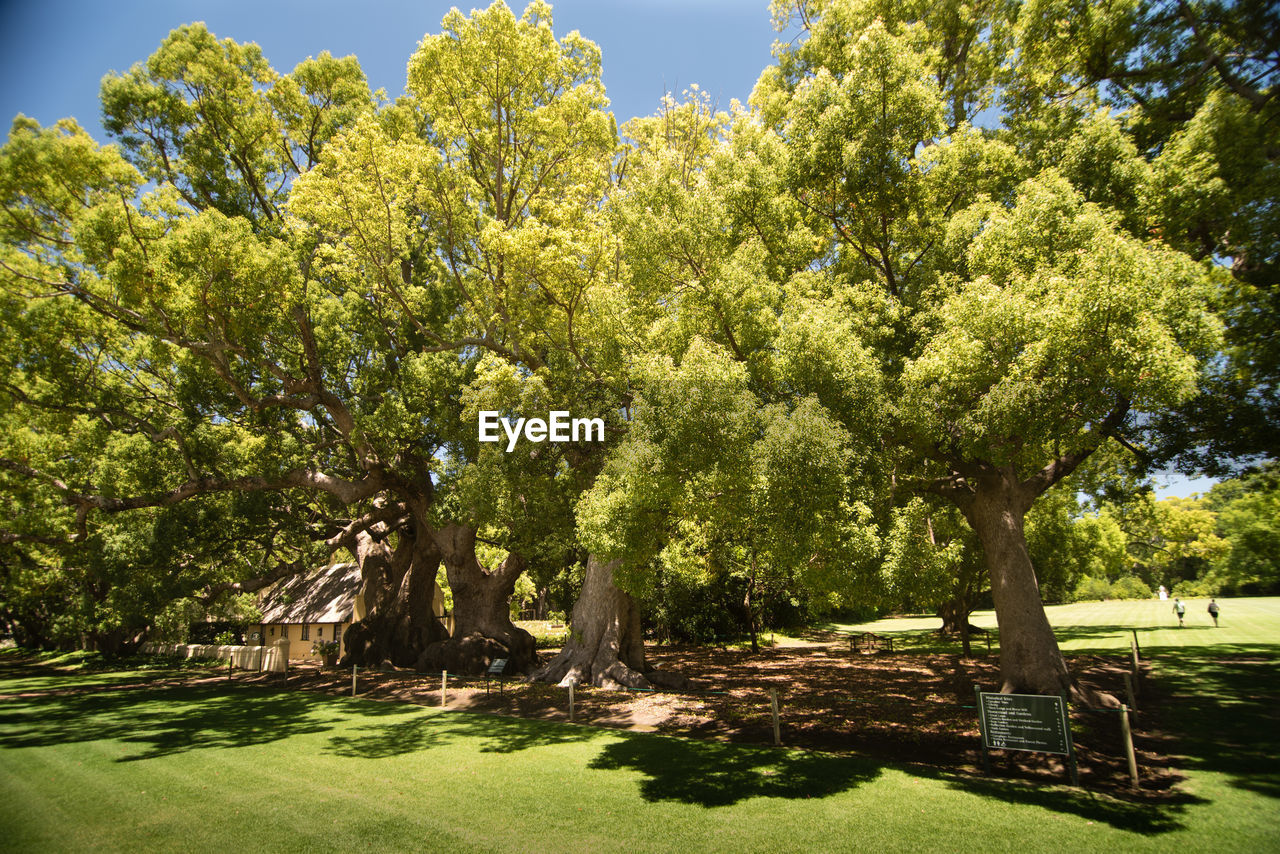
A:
x: 1180, y: 608
x: 1213, y: 611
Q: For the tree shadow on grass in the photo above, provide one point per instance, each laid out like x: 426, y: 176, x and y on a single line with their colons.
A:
x: 165, y: 719
x: 686, y: 770
x: 1113, y: 639
x: 713, y: 774
x: 1217, y: 707
x: 424, y: 732
x: 1136, y: 815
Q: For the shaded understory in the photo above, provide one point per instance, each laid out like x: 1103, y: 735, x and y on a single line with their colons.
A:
x: 895, y: 707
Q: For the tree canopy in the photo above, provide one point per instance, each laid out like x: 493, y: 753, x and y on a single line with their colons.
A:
x: 843, y: 340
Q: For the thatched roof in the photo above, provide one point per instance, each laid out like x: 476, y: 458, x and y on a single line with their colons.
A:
x: 325, y: 597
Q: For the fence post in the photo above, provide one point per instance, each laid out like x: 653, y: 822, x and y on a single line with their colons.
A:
x: 354, y: 668
x: 777, y: 726
x: 1128, y: 745
x: 444, y: 688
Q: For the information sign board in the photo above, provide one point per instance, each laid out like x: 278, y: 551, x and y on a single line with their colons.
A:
x: 498, y: 665
x: 1024, y: 722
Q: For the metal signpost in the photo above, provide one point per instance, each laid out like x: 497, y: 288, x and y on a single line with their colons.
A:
x: 495, y: 669
x: 1035, y: 722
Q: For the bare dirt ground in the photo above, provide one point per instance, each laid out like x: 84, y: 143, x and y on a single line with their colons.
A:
x: 906, y: 708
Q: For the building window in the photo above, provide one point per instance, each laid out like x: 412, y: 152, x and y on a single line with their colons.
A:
x: 284, y: 632
x: 320, y: 632
x: 306, y: 631
x: 273, y: 631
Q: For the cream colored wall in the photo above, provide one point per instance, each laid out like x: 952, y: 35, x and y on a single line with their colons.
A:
x: 300, y: 649
x: 242, y: 657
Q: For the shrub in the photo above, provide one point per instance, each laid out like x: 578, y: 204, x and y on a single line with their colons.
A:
x: 322, y: 647
x: 1130, y: 587
x: 1092, y: 590
x: 220, y: 632
x: 1196, y: 589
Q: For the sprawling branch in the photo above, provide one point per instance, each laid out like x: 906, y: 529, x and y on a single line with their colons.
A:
x: 346, y: 491
x: 390, y: 515
x: 337, y: 410
x: 1067, y: 463
x: 282, y: 570
x: 1257, y: 100
x: 8, y: 538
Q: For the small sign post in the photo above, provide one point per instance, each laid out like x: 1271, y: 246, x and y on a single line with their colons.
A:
x: 497, y: 668
x: 1035, y: 722
x: 982, y: 731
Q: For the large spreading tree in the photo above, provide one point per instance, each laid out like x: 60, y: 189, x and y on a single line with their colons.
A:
x: 1025, y: 322
x: 278, y: 284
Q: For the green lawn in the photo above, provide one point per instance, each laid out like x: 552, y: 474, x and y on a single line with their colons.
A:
x: 1101, y: 627
x: 137, y: 762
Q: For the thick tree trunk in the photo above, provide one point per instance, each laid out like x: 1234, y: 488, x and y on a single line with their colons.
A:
x: 747, y: 603
x: 954, y: 613
x: 482, y: 627
x: 117, y: 642
x: 956, y: 610
x: 400, y: 601
x: 1030, y: 661
x: 605, y: 647
x: 955, y: 620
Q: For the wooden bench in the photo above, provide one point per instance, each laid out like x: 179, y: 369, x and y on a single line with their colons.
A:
x: 869, y: 642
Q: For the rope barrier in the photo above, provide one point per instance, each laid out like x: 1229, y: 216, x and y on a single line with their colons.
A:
x: 467, y: 681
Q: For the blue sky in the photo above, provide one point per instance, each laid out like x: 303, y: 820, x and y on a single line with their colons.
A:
x: 54, y: 54
x: 1182, y: 486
